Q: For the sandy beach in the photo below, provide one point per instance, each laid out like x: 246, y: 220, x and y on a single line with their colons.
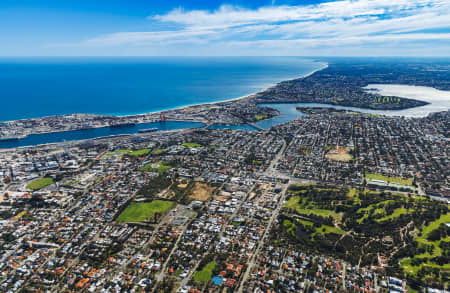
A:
x: 223, y: 101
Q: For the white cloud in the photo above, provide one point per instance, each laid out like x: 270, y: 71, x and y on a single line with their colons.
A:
x: 338, y: 23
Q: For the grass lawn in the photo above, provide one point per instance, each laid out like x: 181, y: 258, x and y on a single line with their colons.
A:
x: 117, y: 153
x: 191, y: 145
x: 40, y: 183
x: 398, y: 180
x: 138, y: 212
x: 159, y: 151
x: 205, y: 274
x: 123, y: 151
x: 260, y: 117
x: 161, y: 167
x: 139, y: 153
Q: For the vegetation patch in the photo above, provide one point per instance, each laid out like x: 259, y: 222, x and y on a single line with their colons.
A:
x: 154, y: 186
x: 324, y: 229
x: 297, y: 204
x: 159, y: 151
x: 328, y: 219
x: 398, y: 180
x: 423, y: 239
x: 205, y: 274
x: 138, y: 153
x: 40, y: 183
x: 305, y: 151
x: 159, y: 167
x: 395, y: 214
x: 191, y: 145
x: 139, y: 212
x: 261, y: 117
x: 117, y: 153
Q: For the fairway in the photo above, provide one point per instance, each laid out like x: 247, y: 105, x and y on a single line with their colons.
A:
x: 40, y: 183
x: 205, y: 274
x: 294, y: 203
x: 395, y: 214
x: 138, y: 212
x: 426, y: 230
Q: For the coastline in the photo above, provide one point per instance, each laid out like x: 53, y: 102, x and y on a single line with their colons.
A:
x: 186, y: 113
x: 157, y: 112
x: 218, y: 102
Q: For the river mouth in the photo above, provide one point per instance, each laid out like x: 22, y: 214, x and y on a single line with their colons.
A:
x: 95, y: 133
x: 438, y: 101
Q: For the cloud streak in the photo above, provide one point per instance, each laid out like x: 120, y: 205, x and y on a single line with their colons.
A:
x: 333, y: 24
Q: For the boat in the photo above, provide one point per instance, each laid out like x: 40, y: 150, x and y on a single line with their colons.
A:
x: 153, y: 129
x: 9, y: 138
x: 120, y: 125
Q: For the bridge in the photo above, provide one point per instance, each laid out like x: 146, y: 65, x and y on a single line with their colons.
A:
x: 251, y: 124
x: 256, y: 126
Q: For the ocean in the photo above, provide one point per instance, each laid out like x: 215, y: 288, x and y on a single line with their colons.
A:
x: 36, y: 87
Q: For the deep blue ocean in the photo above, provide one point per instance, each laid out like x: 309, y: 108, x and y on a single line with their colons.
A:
x: 36, y: 87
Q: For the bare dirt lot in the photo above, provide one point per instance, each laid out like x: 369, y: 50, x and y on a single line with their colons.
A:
x: 340, y: 154
x: 201, y: 191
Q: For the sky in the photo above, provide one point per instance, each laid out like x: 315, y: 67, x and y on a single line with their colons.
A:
x: 224, y: 28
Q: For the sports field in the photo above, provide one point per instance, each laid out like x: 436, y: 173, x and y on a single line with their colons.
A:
x: 191, y: 145
x: 205, y: 274
x: 398, y: 180
x: 40, y: 183
x: 159, y: 167
x: 138, y: 212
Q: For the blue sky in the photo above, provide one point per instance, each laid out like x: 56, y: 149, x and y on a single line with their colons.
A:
x: 212, y: 27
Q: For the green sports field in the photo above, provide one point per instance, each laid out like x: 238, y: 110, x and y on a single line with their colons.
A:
x: 205, y: 274
x: 40, y: 183
x: 138, y: 212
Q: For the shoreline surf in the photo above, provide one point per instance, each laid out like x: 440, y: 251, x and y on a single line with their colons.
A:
x: 325, y: 65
